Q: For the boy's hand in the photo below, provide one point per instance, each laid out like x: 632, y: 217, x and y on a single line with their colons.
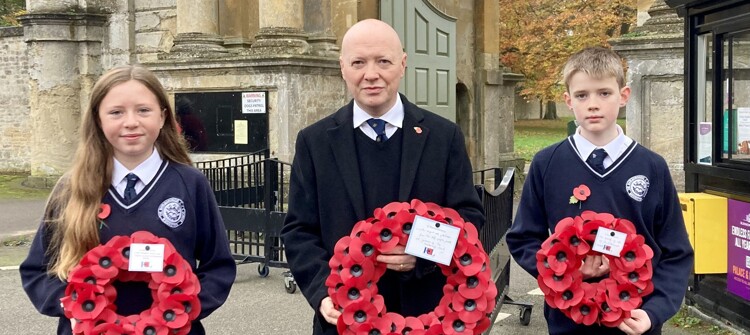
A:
x: 330, y: 313
x: 594, y: 266
x: 638, y: 323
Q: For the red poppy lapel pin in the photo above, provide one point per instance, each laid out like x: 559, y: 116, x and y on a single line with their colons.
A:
x: 580, y: 194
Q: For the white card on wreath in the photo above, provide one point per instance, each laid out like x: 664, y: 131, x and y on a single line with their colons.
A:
x: 145, y: 257
x: 432, y: 240
x: 609, y: 241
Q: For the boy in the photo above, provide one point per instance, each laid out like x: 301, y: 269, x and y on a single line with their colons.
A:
x: 625, y: 179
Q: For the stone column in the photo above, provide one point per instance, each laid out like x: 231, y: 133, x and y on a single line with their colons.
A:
x: 197, y: 29
x: 239, y: 22
x: 319, y: 26
x: 494, y: 92
x: 655, y: 111
x: 64, y: 51
x: 282, y: 32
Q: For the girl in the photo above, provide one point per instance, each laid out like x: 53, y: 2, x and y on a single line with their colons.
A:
x: 130, y: 157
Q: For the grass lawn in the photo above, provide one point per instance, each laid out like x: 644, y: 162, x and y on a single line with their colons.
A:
x: 11, y: 188
x: 534, y: 135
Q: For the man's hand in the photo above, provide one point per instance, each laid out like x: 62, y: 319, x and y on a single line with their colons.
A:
x: 397, y: 260
x: 330, y: 313
x: 638, y: 323
x: 594, y: 266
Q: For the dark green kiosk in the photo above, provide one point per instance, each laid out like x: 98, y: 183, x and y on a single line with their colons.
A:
x: 717, y: 150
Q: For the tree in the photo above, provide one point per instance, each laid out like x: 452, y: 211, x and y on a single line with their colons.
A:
x: 9, y: 11
x: 538, y: 36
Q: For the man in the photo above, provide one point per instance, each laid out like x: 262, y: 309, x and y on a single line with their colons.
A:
x: 344, y: 168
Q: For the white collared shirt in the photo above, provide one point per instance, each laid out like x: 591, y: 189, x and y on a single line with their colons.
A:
x: 146, y: 171
x: 394, y: 119
x: 614, y: 148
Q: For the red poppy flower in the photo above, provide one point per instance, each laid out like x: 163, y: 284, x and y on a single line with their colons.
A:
x: 469, y: 310
x: 104, y: 211
x: 625, y: 226
x: 359, y: 312
x: 471, y: 262
x: 418, y: 207
x: 570, y: 231
x: 170, y: 313
x: 585, y: 312
x: 397, y: 321
x: 623, y: 296
x: 360, y: 250
x: 349, y: 294
x: 108, y: 328
x: 84, y: 274
x: 104, y: 261
x: 378, y: 325
x: 143, y: 236
x: 473, y: 288
x: 360, y: 227
x: 391, y: 210
x: 562, y: 259
x: 412, y: 324
x: 147, y: 325
x: 359, y: 274
x: 560, y: 283
x: 571, y: 296
x: 385, y: 235
x: 635, y: 253
x: 85, y: 303
x: 429, y: 319
x: 174, y: 272
x: 452, y: 324
x: 452, y: 217
x: 190, y: 304
x: 581, y: 192
x: 165, y: 290
x: 590, y: 228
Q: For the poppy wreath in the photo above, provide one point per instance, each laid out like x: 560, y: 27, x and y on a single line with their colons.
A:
x: 468, y: 295
x: 90, y: 294
x: 609, y: 301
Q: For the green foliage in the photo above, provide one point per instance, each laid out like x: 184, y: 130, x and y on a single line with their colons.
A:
x: 10, y: 10
x: 538, y: 36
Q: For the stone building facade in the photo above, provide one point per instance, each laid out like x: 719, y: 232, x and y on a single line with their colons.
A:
x: 15, y: 128
x: 287, y: 48
x: 655, y: 111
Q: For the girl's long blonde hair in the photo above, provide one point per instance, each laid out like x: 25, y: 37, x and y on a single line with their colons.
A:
x: 75, y: 201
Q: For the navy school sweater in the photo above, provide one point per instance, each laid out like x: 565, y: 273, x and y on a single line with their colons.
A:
x: 637, y: 187
x: 197, y: 233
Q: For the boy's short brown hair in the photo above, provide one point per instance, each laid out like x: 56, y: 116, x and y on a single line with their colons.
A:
x: 597, y: 62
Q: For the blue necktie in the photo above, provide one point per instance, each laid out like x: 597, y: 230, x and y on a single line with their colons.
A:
x: 378, y: 126
x: 596, y: 160
x: 130, y: 194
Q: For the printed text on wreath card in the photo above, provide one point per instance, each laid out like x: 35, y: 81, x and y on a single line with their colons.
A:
x: 146, y: 257
x: 432, y: 240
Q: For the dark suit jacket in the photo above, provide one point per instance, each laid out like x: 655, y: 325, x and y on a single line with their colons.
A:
x: 326, y: 199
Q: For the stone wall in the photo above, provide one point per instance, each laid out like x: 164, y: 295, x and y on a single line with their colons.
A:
x: 155, y: 28
x: 15, y: 129
x: 299, y: 92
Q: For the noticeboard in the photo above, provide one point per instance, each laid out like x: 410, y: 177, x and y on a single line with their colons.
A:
x: 224, y: 121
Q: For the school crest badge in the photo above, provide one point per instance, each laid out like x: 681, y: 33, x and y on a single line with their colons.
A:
x: 172, y: 212
x: 637, y: 187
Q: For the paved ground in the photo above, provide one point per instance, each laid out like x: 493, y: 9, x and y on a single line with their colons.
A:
x: 256, y: 305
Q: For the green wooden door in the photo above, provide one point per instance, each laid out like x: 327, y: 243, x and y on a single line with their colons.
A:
x: 429, y: 39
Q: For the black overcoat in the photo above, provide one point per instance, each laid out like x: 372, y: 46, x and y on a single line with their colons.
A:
x: 326, y: 199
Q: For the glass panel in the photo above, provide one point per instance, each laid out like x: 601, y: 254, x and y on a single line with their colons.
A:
x: 737, y: 97
x: 705, y: 82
